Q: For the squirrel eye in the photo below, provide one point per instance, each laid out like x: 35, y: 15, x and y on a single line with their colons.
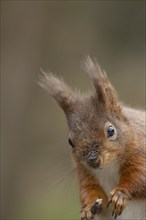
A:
x: 71, y: 143
x: 110, y: 131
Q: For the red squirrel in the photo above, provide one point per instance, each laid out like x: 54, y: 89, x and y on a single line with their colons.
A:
x: 108, y: 147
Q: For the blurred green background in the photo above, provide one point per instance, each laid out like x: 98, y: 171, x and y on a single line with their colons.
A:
x: 37, y: 175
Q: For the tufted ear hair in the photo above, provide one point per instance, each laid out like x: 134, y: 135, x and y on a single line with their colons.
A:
x: 58, y: 89
x: 105, y: 93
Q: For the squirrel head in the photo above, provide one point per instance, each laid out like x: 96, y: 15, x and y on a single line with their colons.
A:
x: 98, y: 130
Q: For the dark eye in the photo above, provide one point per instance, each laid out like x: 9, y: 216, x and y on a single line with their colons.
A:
x: 110, y: 131
x: 71, y: 143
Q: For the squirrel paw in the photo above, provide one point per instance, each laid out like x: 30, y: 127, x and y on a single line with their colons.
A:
x: 118, y: 199
x: 88, y: 213
x: 97, y: 207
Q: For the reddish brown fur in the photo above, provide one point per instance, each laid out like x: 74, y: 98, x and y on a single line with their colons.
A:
x: 87, y: 116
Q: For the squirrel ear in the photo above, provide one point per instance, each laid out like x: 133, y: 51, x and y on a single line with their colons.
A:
x: 105, y: 92
x: 58, y: 89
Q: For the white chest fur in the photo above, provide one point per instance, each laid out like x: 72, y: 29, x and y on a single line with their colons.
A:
x: 107, y: 177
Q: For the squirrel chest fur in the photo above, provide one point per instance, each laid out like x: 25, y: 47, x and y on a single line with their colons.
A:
x: 108, y: 147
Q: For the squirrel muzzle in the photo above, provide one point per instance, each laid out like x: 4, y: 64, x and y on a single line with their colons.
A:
x: 91, y: 158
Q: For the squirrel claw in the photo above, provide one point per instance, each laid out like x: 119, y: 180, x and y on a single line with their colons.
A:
x: 109, y: 202
x: 115, y: 214
x: 118, y: 200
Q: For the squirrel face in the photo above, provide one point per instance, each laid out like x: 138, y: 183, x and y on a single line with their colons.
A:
x: 98, y: 131
x: 95, y: 136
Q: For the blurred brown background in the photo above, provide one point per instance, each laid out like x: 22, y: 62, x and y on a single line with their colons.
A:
x: 37, y: 177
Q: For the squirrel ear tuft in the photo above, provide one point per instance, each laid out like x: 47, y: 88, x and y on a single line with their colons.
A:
x: 105, y: 93
x: 58, y: 89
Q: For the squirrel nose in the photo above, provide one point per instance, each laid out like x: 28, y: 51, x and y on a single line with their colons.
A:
x: 91, y: 157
